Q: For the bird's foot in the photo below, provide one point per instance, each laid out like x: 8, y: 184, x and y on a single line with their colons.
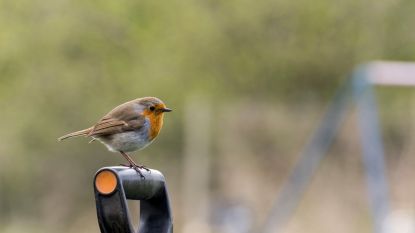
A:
x: 143, y: 167
x: 137, y: 168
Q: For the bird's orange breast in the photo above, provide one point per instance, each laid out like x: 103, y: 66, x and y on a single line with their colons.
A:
x: 156, y: 122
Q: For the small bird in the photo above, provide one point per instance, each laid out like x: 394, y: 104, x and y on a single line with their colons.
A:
x: 128, y: 127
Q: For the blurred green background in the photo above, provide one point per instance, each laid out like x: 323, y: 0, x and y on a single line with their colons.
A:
x: 248, y: 82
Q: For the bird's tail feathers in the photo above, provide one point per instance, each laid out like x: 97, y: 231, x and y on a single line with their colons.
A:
x: 83, y: 132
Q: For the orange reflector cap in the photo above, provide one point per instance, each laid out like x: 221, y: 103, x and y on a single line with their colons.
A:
x: 106, y: 182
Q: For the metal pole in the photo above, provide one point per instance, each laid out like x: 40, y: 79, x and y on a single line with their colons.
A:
x: 372, y: 147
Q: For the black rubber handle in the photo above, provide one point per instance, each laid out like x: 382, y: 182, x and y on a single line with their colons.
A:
x: 112, y: 209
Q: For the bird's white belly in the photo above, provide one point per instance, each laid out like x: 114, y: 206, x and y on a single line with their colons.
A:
x: 126, y: 142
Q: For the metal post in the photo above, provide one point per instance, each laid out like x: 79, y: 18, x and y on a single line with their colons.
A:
x: 114, y: 185
x: 372, y: 147
x: 360, y: 88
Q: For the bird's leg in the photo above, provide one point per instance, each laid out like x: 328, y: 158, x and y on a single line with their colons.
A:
x: 133, y: 164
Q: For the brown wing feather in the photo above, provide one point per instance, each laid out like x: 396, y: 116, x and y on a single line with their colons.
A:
x: 111, y: 127
x: 126, y: 117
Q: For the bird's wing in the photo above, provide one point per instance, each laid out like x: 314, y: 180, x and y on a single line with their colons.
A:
x: 125, y: 117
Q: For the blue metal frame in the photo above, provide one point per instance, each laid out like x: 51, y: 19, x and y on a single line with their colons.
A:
x: 358, y: 90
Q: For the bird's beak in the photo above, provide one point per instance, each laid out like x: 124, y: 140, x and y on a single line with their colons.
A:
x: 166, y: 110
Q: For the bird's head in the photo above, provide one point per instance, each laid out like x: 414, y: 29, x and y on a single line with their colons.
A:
x: 153, y: 106
x: 153, y: 110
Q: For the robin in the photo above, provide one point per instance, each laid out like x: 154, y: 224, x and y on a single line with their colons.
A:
x: 128, y: 127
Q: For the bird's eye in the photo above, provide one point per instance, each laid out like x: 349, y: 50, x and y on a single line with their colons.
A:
x: 152, y: 108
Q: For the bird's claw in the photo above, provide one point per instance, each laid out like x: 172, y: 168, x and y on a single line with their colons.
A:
x: 137, y: 168
x: 144, y: 167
